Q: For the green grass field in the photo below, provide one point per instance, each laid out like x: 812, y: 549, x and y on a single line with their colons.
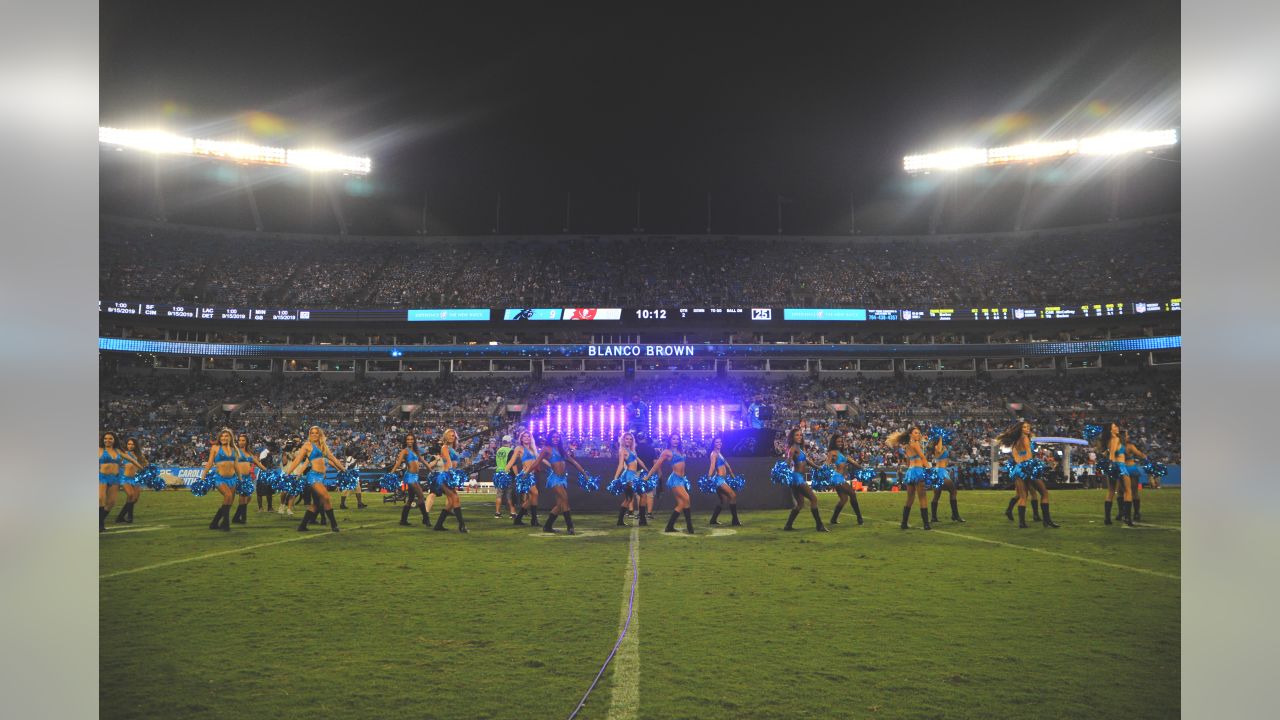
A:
x: 968, y: 621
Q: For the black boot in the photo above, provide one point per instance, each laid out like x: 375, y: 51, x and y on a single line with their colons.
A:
x: 933, y: 510
x: 343, y: 505
x: 688, y: 521
x: 324, y: 520
x: 622, y: 513
x: 715, y: 514
x: 533, y: 515
x: 241, y: 517
x: 226, y: 518
x: 733, y: 510
x: 1107, y: 505
x: 906, y: 515
x: 333, y: 521
x: 360, y: 503
x: 462, y: 524
x: 1035, y: 510
x: 426, y: 515
x: 1126, y: 510
x: 924, y: 515
x: 549, y: 525
x: 817, y: 521
x: 519, y: 518
x: 217, y: 518
x: 1008, y: 512
x: 1022, y: 516
x: 1048, y: 521
x: 671, y: 523
x: 102, y: 519
x: 795, y: 512
x: 644, y: 517
x: 1137, y: 509
x: 307, y: 519
x: 955, y: 511
x: 404, y: 514
x: 835, y: 514
x: 440, y: 520
x: 568, y: 522
x: 853, y: 500
x: 124, y: 513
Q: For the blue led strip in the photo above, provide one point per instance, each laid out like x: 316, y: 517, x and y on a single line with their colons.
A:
x: 639, y: 351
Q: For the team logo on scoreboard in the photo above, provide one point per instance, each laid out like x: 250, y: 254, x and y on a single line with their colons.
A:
x: 593, y: 313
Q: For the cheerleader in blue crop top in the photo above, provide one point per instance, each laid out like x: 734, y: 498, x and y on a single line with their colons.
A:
x: 245, y: 464
x: 908, y: 442
x: 725, y: 495
x: 524, y: 462
x: 135, y: 461
x: 315, y: 452
x: 1110, y: 446
x: 1017, y: 438
x: 942, y: 466
x: 629, y: 467
x: 110, y: 460
x: 677, y: 483
x: 1133, y: 465
x: 449, y: 477
x: 411, y: 461
x: 800, y: 490
x: 843, y: 479
x: 555, y: 456
x: 222, y: 462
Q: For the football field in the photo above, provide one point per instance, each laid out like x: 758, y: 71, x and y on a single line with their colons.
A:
x: 969, y: 620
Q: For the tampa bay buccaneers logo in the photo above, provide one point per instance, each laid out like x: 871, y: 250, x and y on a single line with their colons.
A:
x: 583, y: 314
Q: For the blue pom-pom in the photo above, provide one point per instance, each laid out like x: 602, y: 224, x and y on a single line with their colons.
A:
x: 780, y: 474
x: 619, y: 485
x: 941, y: 433
x: 201, y: 486
x: 589, y: 483
x: 150, y: 477
x: 502, y: 480
x: 1092, y: 431
x: 736, y: 482
x: 824, y: 478
x: 270, y: 478
x: 349, y: 479
x: 866, y: 475
x: 934, y: 478
x: 290, y: 484
x: 709, y: 483
x: 391, y: 482
x: 245, y: 486
x: 525, y: 481
x: 646, y: 484
x: 1155, y: 469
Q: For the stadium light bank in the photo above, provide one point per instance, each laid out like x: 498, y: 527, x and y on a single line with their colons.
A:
x: 163, y: 143
x: 1113, y: 143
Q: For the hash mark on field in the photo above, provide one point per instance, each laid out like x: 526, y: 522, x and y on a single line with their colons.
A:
x: 1058, y: 554
x: 624, y: 702
x: 220, y: 553
x: 118, y: 531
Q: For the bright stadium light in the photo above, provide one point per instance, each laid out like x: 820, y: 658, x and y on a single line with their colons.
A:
x: 159, y: 142
x: 1113, y: 143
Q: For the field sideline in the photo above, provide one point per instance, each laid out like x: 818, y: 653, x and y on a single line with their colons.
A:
x: 972, y: 620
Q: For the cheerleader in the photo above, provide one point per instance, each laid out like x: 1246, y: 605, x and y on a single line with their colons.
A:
x: 1018, y: 439
x: 908, y: 442
x: 223, y: 456
x: 844, y: 467
x: 555, y: 456
x: 629, y: 467
x: 525, y: 460
x: 1134, y: 469
x: 134, y: 462
x: 109, y: 461
x: 245, y: 463
x: 800, y: 490
x: 677, y: 483
x: 412, y: 464
x: 725, y: 495
x: 316, y: 454
x: 941, y: 462
x: 1110, y: 444
x: 445, y: 483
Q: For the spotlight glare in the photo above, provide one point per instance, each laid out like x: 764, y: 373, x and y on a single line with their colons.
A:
x: 1106, y: 144
x: 163, y: 143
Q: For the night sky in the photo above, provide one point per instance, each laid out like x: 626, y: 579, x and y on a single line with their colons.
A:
x: 816, y: 102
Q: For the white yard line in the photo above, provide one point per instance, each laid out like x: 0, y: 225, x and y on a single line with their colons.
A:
x: 624, y: 703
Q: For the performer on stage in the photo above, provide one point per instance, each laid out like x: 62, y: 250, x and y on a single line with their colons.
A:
x: 223, y: 457
x: 1132, y: 456
x: 941, y: 464
x: 316, y: 454
x: 844, y: 467
x: 677, y: 483
x: 412, y: 464
x: 555, y: 456
x: 525, y: 460
x: 800, y: 490
x: 908, y: 442
x: 135, y: 461
x: 245, y: 463
x: 628, y: 472
x: 725, y: 495
x: 109, y: 461
x: 448, y: 479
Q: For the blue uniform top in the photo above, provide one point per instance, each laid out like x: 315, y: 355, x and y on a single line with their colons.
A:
x: 720, y: 461
x: 840, y: 458
x: 224, y: 456
x: 316, y: 452
x: 631, y: 457
x: 800, y: 457
x: 106, y: 458
x: 676, y: 457
x: 526, y: 455
x: 453, y: 455
x: 556, y: 456
x: 411, y: 456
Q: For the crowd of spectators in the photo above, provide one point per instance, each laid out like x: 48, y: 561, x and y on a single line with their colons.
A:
x: 176, y: 415
x: 179, y: 263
